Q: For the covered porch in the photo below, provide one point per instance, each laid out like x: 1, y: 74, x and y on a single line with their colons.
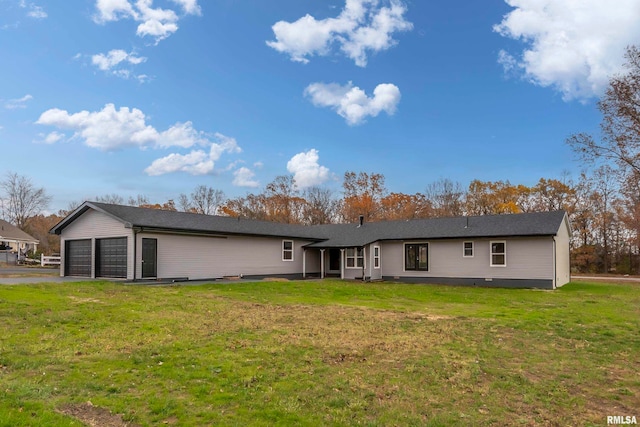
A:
x: 353, y: 262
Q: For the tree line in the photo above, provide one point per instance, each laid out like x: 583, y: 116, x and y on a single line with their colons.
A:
x: 603, y: 204
x: 605, y: 216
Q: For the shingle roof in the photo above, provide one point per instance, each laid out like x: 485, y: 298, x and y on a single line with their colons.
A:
x: 333, y: 235
x: 527, y: 224
x: 155, y: 219
x: 11, y: 232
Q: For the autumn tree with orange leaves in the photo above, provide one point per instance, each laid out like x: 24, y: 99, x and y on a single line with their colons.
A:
x: 363, y: 193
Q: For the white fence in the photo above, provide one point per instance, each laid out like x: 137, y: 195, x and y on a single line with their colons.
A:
x: 49, y: 260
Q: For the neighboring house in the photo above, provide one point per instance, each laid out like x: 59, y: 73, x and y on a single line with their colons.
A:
x: 14, y: 243
x: 522, y: 250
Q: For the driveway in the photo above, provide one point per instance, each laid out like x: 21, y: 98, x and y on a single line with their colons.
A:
x: 15, y: 274
x: 18, y: 275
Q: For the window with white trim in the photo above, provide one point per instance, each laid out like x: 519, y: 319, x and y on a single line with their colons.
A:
x: 287, y: 250
x: 499, y: 254
x: 467, y: 249
x: 355, y: 258
x: 376, y: 257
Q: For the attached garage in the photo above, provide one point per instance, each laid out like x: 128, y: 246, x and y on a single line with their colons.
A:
x: 111, y: 257
x: 77, y: 260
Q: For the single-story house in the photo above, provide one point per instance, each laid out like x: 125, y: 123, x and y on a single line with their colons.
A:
x: 521, y: 250
x: 14, y: 243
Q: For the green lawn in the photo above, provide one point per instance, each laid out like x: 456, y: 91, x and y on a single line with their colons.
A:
x: 318, y: 353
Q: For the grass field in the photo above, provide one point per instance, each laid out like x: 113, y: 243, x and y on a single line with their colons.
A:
x: 317, y: 353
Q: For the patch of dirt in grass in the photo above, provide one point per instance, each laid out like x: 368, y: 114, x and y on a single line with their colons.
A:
x: 342, y: 334
x: 94, y: 416
x: 79, y: 300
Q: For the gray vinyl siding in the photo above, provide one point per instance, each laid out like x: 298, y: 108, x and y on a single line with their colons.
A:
x: 96, y: 225
x: 563, y: 259
x: 526, y: 258
x: 354, y: 272
x: 203, y: 257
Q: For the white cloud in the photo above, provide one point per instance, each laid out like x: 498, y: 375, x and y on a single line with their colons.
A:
x: 107, y: 129
x: 14, y: 104
x: 110, y: 129
x: 153, y: 22
x: 190, y: 7
x: 306, y: 170
x: 33, y: 10
x: 225, y: 144
x: 117, y: 63
x: 572, y: 46
x: 363, y: 26
x: 53, y: 137
x: 352, y: 103
x: 244, y: 177
x: 113, y: 10
x: 196, y: 163
x: 181, y: 135
x: 114, y: 58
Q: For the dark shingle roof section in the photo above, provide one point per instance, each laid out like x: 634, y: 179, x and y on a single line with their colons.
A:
x: 162, y: 220
x: 486, y: 226
x: 333, y: 235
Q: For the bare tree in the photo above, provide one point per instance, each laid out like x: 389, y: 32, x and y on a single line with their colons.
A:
x: 22, y: 200
x: 605, y: 184
x: 139, y: 200
x: 203, y: 200
x: 320, y: 206
x: 446, y: 197
x: 113, y: 199
x: 620, y: 107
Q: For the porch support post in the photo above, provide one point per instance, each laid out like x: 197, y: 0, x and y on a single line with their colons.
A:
x: 364, y: 263
x: 322, y: 263
x: 342, y: 264
x: 304, y: 263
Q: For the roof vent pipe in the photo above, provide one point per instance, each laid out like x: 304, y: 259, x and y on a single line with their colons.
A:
x: 361, y: 221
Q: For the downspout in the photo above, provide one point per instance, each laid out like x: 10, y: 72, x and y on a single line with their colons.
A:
x: 555, y: 263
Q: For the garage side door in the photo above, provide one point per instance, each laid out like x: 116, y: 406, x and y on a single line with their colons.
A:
x: 77, y: 258
x: 111, y: 257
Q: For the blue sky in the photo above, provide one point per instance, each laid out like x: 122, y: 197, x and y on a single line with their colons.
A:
x: 156, y: 97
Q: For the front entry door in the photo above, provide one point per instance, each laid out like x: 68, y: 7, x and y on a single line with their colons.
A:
x: 334, y: 259
x: 149, y: 258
